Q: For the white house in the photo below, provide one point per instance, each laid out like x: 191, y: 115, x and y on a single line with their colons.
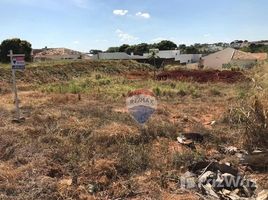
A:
x: 117, y: 56
x: 167, y: 54
x: 188, y: 58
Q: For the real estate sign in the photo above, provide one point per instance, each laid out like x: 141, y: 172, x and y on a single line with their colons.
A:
x: 18, y: 62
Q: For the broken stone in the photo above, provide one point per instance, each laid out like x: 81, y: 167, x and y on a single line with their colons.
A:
x: 208, y: 190
x: 225, y: 192
x: 214, y: 167
x: 188, y: 180
x: 230, y: 150
x: 197, y: 137
x: 234, y: 195
x: 204, y: 177
x: 183, y: 140
x: 213, y: 123
x: 189, y: 138
x: 91, y: 188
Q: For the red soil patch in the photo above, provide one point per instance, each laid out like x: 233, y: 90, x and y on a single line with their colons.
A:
x: 203, y: 76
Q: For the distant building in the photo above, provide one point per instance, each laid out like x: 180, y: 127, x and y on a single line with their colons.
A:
x: 233, y: 57
x: 188, y: 58
x: 218, y: 59
x: 261, y: 42
x: 56, y: 54
x: 168, y: 56
x: 117, y: 56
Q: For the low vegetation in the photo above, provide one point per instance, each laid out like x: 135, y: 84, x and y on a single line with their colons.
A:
x: 79, y: 141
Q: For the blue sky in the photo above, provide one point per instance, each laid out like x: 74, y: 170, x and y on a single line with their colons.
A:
x: 98, y: 24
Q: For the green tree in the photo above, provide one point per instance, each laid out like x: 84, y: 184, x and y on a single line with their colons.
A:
x: 130, y: 49
x: 123, y: 48
x: 166, y: 45
x: 191, y: 50
x: 182, y: 48
x: 113, y: 49
x: 142, y: 48
x: 18, y: 46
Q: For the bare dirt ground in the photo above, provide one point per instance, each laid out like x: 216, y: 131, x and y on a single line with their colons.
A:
x: 87, y: 146
x: 203, y: 76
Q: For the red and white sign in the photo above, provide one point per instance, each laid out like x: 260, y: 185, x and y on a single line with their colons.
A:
x: 18, y: 62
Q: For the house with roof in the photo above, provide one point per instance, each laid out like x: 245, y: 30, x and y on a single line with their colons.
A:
x: 117, y: 56
x: 167, y: 57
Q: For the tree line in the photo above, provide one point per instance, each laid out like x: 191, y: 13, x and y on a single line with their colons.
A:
x: 256, y: 48
x: 140, y: 49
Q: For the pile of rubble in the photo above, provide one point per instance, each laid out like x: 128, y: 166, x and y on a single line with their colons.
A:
x: 218, y: 181
x: 215, y: 180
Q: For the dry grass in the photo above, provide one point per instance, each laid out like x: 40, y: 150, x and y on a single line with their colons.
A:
x: 86, y: 146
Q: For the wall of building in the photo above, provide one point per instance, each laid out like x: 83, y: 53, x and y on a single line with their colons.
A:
x: 218, y: 59
x: 113, y: 56
x: 165, y: 54
x: 188, y: 58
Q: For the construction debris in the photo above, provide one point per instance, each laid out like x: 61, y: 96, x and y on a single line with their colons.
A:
x: 219, y: 181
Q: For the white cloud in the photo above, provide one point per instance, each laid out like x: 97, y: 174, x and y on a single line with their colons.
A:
x: 76, y: 42
x: 143, y: 15
x: 159, y: 39
x: 120, y: 12
x: 125, y: 37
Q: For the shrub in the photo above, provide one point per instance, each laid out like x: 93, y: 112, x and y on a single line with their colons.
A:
x: 253, y: 119
x: 18, y: 46
x: 215, y: 92
x: 157, y: 91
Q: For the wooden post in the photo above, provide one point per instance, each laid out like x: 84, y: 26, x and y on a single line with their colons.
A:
x: 15, y: 88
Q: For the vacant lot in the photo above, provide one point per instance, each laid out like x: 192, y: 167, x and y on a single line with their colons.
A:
x: 79, y: 142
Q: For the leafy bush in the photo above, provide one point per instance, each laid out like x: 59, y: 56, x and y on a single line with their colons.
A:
x: 215, y: 92
x: 18, y: 46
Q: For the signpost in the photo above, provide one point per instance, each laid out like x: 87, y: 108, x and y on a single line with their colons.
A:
x: 17, y: 63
